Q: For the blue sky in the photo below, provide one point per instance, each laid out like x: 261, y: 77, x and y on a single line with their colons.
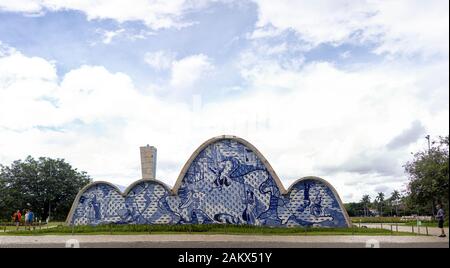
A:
x: 320, y: 87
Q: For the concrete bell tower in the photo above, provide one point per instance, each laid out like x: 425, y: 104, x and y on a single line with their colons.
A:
x: 148, y: 162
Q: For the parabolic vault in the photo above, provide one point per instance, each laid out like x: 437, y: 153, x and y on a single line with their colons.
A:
x: 226, y: 180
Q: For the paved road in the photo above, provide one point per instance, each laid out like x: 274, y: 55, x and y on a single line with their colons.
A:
x: 223, y: 241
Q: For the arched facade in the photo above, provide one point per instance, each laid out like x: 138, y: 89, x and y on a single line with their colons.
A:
x: 226, y: 180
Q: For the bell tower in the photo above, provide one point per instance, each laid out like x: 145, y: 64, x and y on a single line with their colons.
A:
x: 148, y: 162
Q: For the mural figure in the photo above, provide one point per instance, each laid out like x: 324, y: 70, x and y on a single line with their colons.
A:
x: 228, y: 182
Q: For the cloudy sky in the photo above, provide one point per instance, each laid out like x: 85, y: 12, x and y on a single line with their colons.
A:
x: 340, y: 89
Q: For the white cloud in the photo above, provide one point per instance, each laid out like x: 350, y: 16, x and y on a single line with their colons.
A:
x: 91, y: 112
x: 160, y: 60
x: 397, y: 27
x: 317, y: 21
x: 345, y: 121
x: 185, y: 74
x: 14, y: 65
x: 407, y: 27
x: 92, y: 93
x: 188, y: 70
x: 327, y: 122
x: 29, y: 6
x: 345, y: 55
x: 109, y: 35
x: 156, y: 14
x: 340, y: 124
x: 26, y: 88
x: 267, y: 31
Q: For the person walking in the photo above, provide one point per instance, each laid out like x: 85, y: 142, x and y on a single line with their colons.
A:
x: 17, y: 219
x: 26, y: 218
x: 440, y: 216
x: 30, y: 218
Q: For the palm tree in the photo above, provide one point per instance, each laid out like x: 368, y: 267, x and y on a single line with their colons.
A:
x: 380, y: 200
x: 395, y: 197
x: 366, y: 202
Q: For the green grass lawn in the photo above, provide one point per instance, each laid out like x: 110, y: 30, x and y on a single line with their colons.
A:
x: 201, y: 229
x: 10, y: 227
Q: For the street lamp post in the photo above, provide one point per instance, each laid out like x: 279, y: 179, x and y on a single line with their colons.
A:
x: 49, y: 201
x: 429, y: 154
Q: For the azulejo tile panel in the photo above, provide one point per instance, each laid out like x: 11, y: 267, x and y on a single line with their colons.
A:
x: 225, y: 183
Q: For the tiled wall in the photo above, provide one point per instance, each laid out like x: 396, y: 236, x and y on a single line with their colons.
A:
x: 226, y: 183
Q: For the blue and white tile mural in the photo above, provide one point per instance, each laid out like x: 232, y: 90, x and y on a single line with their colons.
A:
x: 226, y: 183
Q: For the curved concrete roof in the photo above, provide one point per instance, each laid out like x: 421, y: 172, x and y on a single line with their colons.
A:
x: 226, y: 137
x: 338, y: 198
x: 124, y: 194
x: 174, y: 190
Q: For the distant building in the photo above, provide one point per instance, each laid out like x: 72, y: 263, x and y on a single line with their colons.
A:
x: 374, y: 212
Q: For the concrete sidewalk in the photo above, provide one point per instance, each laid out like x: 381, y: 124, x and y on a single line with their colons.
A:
x: 222, y: 241
x: 433, y: 231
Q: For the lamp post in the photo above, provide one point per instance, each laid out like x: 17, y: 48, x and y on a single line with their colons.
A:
x: 49, y: 201
x: 429, y: 155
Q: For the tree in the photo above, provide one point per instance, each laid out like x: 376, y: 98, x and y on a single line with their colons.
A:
x: 366, y: 202
x: 395, y: 198
x: 429, y: 177
x: 354, y: 209
x: 3, y: 203
x: 380, y: 202
x: 47, y: 186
